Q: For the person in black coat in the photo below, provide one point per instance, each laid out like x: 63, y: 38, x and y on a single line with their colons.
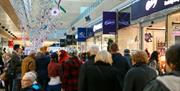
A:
x: 101, y: 76
x: 171, y: 80
x: 139, y: 74
x: 119, y: 62
x: 42, y: 62
x: 93, y: 51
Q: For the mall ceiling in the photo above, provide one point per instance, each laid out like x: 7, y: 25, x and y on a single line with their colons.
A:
x: 40, y: 14
x: 8, y: 18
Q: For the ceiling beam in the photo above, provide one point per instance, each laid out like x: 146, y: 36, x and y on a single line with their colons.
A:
x: 5, y: 34
x: 6, y: 5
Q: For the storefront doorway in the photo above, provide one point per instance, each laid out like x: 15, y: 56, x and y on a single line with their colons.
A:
x: 154, y: 37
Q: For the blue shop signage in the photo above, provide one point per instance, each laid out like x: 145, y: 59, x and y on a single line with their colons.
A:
x: 109, y: 22
x: 147, y: 7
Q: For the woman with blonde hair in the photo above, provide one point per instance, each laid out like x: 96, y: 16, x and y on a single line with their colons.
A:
x: 137, y: 77
x: 101, y: 76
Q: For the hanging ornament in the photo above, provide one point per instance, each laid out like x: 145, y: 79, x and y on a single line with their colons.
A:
x: 55, y: 12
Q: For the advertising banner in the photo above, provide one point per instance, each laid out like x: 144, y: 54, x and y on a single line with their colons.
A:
x: 109, y: 22
x: 123, y: 19
x: 70, y: 40
x: 84, y: 33
x: 147, y: 7
x: 62, y: 42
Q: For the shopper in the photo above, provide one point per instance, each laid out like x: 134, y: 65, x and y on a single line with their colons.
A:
x: 139, y: 74
x: 6, y: 58
x: 83, y: 71
x: 29, y: 64
x: 101, y: 76
x: 14, y: 68
x: 119, y: 62
x: 127, y: 55
x: 154, y: 61
x: 54, y: 73
x: 42, y: 61
x: 170, y: 81
x: 70, y: 70
x: 63, y: 56
x: 28, y: 82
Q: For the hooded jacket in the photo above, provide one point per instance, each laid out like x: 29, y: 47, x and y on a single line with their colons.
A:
x: 169, y: 82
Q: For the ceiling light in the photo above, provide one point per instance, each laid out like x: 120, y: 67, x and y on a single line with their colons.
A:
x: 3, y: 27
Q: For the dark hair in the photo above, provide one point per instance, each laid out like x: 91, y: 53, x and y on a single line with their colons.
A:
x: 173, y: 56
x: 154, y: 56
x: 114, y: 47
x: 54, y: 57
x: 16, y: 46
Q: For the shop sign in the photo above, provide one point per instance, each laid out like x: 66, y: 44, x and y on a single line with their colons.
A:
x: 147, y: 7
x: 84, y: 33
x: 70, y: 40
x: 123, y: 19
x: 109, y: 22
x: 62, y: 42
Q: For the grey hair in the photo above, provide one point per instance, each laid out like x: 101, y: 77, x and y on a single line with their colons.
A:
x: 104, y: 56
x: 94, y: 49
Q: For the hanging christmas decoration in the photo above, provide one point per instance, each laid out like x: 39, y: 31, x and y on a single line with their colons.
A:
x: 38, y: 25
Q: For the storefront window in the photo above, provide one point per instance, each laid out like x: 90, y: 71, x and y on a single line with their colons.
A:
x: 174, y: 28
x: 154, y: 37
x: 129, y: 38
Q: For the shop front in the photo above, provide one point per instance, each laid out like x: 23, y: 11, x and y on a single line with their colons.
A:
x: 159, y: 26
x: 128, y: 38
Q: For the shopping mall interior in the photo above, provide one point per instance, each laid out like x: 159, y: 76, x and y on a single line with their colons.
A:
x: 99, y: 33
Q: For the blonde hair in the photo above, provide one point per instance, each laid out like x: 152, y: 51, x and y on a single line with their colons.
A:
x: 104, y: 56
x: 94, y: 50
x: 140, y: 56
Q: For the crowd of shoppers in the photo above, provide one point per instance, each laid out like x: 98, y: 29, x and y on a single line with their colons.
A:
x: 98, y: 71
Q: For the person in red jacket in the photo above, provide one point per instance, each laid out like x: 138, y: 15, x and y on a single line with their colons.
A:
x: 70, y: 70
x: 63, y: 56
x: 54, y: 73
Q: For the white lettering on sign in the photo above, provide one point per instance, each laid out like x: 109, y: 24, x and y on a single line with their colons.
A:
x: 170, y: 2
x: 151, y: 4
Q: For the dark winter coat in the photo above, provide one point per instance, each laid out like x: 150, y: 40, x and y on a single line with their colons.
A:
x: 120, y: 63
x: 42, y: 66
x: 82, y: 74
x: 129, y: 59
x: 169, y: 82
x: 14, y: 67
x: 138, y: 76
x: 101, y: 77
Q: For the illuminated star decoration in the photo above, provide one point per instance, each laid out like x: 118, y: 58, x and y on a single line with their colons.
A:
x: 55, y: 12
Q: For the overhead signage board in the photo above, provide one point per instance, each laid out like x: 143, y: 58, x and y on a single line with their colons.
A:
x: 84, y: 33
x: 81, y: 34
x: 147, y: 7
x: 70, y: 40
x: 62, y: 42
x: 109, y: 22
x: 123, y: 19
